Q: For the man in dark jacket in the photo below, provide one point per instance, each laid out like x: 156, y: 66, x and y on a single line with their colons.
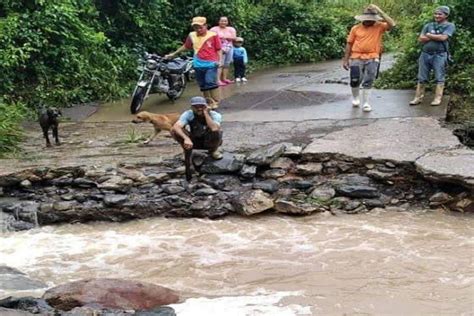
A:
x: 204, y: 131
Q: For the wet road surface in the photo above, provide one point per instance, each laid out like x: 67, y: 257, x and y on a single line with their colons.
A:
x: 292, y: 93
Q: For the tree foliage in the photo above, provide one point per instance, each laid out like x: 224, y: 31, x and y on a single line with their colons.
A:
x: 61, y: 52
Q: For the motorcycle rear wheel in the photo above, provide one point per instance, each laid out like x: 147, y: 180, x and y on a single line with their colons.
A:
x: 179, y: 91
x: 137, y: 100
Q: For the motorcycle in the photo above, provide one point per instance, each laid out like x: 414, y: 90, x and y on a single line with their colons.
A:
x: 160, y: 75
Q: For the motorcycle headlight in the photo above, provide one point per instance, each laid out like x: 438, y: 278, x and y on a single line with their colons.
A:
x: 151, y: 64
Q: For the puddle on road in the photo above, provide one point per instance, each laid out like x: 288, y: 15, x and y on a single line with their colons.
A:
x: 261, y: 85
x: 266, y: 100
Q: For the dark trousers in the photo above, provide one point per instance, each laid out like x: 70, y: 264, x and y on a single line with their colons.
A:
x: 239, y: 68
x: 210, y: 141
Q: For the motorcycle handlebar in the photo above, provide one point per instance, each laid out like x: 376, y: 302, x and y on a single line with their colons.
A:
x: 163, y: 59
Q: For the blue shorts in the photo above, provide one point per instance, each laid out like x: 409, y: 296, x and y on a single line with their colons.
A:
x: 206, y: 78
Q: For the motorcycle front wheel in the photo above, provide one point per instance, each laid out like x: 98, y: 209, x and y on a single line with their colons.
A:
x: 178, y: 91
x: 137, y: 99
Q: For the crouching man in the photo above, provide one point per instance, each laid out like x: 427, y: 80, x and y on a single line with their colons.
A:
x: 204, y: 131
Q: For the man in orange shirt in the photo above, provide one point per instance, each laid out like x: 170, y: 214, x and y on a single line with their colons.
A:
x: 362, y: 53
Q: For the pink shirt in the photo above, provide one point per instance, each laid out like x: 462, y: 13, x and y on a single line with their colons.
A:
x: 226, y: 32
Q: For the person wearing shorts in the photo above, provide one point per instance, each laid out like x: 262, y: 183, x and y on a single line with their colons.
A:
x: 227, y: 35
x: 206, y: 60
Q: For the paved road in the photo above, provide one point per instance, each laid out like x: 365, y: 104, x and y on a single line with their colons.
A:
x: 293, y: 93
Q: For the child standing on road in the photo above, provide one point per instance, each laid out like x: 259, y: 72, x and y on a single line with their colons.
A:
x: 240, y: 60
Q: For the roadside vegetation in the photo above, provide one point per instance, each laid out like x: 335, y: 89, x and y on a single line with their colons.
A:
x: 64, y: 52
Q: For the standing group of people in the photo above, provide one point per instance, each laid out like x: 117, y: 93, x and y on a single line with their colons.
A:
x: 364, y: 49
x: 232, y: 52
x: 214, y: 51
x: 217, y: 48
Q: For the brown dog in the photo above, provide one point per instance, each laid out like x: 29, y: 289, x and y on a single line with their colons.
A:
x: 159, y: 121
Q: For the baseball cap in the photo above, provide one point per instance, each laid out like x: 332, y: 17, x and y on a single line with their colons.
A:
x: 444, y: 9
x: 198, y: 101
x: 199, y: 20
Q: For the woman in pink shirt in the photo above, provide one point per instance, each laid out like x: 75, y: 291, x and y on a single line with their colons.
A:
x: 227, y: 35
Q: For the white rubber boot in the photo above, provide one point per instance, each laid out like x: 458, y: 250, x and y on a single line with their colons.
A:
x: 438, y: 94
x: 355, y: 97
x: 419, y: 94
x: 365, y: 97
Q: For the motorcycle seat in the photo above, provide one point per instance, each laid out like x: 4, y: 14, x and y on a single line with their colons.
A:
x: 176, y: 66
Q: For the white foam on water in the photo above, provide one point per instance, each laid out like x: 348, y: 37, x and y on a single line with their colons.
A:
x: 381, y: 230
x: 251, y: 305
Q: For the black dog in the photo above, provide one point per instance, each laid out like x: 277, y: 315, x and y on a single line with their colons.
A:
x: 49, y: 119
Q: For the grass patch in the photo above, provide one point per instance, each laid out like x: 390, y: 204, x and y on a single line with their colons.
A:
x: 134, y: 137
x: 11, y: 132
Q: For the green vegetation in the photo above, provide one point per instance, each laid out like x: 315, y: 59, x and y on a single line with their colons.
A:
x: 133, y: 136
x: 10, y: 131
x: 63, y: 52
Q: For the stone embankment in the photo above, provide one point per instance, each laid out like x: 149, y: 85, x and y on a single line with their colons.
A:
x: 281, y: 178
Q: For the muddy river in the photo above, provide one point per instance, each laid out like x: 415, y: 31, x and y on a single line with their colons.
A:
x: 400, y: 263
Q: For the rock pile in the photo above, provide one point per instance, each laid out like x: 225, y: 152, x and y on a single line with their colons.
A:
x: 277, y: 178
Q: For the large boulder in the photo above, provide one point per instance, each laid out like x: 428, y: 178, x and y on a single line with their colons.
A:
x: 284, y: 163
x: 357, y: 191
x: 295, y: 208
x: 323, y: 193
x: 269, y: 186
x: 222, y: 182
x: 116, y: 183
x: 356, y: 186
x: 228, y: 164
x: 253, y: 202
x: 265, y: 156
x: 110, y: 293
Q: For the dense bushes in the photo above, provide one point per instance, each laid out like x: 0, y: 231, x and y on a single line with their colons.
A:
x: 61, y: 52
x: 51, y: 54
x: 10, y: 131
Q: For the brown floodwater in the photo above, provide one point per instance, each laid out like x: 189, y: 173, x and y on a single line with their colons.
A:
x: 383, y: 262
